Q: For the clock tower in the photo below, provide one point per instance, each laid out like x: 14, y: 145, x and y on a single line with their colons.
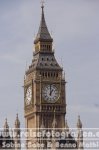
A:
x: 44, y: 84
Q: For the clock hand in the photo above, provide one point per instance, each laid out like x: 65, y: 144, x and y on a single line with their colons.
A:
x: 51, y: 92
x: 50, y: 86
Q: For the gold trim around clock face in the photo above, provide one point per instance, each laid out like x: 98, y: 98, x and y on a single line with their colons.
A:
x: 50, y: 93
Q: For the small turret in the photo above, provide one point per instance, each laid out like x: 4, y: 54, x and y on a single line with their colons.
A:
x: 6, y: 126
x: 17, y: 122
x: 79, y: 123
x: 17, y: 133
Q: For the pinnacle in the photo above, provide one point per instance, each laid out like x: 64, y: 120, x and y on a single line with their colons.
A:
x: 79, y: 123
x: 6, y: 126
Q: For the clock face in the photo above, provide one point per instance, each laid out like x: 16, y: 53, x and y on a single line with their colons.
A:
x: 50, y: 93
x: 28, y: 95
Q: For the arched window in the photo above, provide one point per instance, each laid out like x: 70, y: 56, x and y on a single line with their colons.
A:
x: 48, y: 74
x: 45, y: 74
x: 56, y: 74
x: 51, y: 74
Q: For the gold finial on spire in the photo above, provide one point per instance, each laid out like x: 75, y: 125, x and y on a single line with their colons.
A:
x: 42, y: 4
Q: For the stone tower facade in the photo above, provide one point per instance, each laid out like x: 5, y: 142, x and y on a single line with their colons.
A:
x: 44, y: 86
x: 44, y: 99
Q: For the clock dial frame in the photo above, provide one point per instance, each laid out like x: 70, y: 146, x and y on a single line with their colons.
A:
x: 28, y: 96
x: 50, y: 93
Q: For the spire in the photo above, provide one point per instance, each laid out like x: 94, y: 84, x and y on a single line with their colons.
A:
x: 79, y: 123
x: 43, y: 33
x: 17, y: 122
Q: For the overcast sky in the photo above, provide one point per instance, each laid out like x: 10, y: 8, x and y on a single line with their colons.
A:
x: 74, y: 25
